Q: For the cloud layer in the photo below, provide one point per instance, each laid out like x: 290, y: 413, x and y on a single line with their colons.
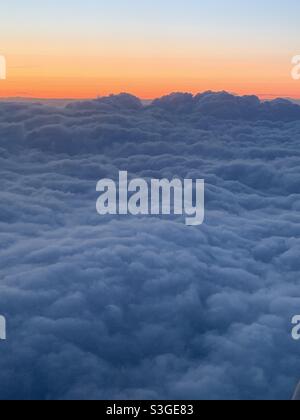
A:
x: 122, y: 307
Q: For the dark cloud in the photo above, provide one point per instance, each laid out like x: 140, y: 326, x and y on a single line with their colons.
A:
x: 122, y: 307
x: 223, y: 105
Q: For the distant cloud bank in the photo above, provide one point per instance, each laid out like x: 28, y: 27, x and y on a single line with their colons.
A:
x: 121, y: 307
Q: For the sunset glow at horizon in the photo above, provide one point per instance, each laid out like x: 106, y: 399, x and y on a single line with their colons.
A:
x: 76, y: 49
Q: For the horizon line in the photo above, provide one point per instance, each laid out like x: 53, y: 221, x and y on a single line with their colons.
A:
x: 263, y: 97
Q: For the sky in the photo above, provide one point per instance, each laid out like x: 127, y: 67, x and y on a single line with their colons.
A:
x: 85, y: 48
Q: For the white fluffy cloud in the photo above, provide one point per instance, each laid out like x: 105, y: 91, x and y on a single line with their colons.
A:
x: 121, y: 307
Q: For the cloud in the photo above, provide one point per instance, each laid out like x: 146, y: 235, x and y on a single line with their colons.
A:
x: 223, y: 105
x: 124, y: 307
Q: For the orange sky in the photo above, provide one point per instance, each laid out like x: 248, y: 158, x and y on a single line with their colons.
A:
x: 71, y: 76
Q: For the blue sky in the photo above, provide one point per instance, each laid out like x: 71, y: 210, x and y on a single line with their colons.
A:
x: 251, y: 17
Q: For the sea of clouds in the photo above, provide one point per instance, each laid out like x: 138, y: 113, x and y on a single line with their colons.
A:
x: 146, y: 307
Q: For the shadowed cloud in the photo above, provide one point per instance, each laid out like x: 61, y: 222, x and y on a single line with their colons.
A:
x: 122, y: 307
